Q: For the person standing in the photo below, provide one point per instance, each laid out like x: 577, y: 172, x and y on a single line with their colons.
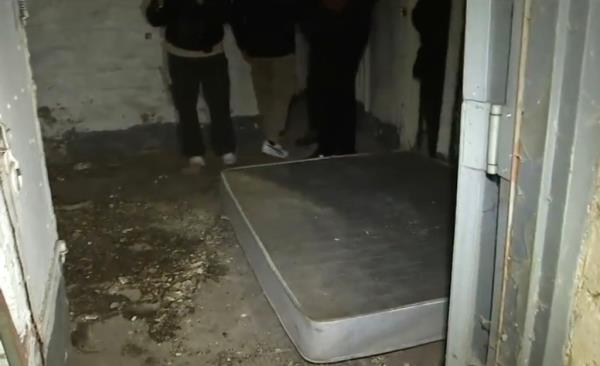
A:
x: 265, y: 31
x: 337, y: 32
x: 194, y: 31
x: 431, y: 18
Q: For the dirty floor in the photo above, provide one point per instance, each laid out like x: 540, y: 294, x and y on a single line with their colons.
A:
x: 154, y: 273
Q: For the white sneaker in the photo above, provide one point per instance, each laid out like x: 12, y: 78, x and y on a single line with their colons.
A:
x: 275, y: 150
x: 229, y: 159
x: 195, y: 165
x: 198, y: 161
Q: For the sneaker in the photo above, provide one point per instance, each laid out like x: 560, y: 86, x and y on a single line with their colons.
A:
x: 195, y: 165
x: 229, y: 159
x: 197, y: 160
x: 274, y: 150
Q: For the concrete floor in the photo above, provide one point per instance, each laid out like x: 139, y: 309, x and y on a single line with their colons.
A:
x: 154, y: 273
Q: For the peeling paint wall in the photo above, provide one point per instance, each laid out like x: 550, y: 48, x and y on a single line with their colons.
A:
x: 585, y: 323
x: 93, y: 66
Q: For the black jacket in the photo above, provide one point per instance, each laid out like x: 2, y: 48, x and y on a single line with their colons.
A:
x: 338, y: 34
x: 265, y: 28
x: 431, y: 18
x: 195, y: 25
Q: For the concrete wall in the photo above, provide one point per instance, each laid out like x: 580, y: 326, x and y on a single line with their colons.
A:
x: 97, y: 65
x: 585, y: 323
x: 393, y: 93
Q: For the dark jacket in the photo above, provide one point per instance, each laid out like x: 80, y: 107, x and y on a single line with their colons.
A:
x: 195, y: 25
x: 265, y: 28
x: 342, y: 34
x: 431, y: 18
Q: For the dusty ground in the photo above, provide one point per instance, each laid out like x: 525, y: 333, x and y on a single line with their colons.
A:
x: 155, y: 275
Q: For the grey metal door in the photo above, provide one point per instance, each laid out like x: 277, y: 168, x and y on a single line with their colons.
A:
x: 524, y: 191
x: 27, y: 201
x: 492, y: 46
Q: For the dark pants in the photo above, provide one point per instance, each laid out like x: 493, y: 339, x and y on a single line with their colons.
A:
x: 187, y: 75
x: 429, y: 115
x: 332, y: 99
x: 431, y: 77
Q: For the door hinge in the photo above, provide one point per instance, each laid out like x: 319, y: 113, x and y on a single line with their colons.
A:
x: 493, y: 135
x: 9, y: 165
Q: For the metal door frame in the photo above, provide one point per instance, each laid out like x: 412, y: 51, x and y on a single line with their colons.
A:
x: 39, y: 307
x: 544, y: 180
x: 489, y: 48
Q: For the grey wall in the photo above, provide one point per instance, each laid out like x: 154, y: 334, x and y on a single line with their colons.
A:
x: 392, y: 94
x: 96, y: 69
x: 99, y: 66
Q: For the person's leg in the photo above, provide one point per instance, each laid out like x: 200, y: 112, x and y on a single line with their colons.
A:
x: 429, y: 114
x: 435, y: 93
x: 345, y: 122
x: 328, y: 103
x: 422, y: 126
x: 312, y: 106
x: 283, y: 86
x: 274, y: 84
x: 321, y: 98
x: 346, y: 126
x: 216, y: 89
x: 185, y: 87
x: 262, y: 75
x: 314, y: 88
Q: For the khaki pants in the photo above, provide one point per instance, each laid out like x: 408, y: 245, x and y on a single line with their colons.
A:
x: 274, y: 85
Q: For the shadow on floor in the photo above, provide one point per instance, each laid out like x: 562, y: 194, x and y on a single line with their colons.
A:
x: 372, y: 136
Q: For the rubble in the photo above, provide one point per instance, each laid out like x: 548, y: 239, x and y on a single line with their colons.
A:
x: 82, y: 166
x: 132, y: 294
x: 75, y: 206
x: 140, y: 260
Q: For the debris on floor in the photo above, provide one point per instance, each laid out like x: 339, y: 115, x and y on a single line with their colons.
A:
x: 155, y: 276
x: 143, y: 261
x: 82, y: 166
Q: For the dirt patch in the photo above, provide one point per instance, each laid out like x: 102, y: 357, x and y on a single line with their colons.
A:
x: 141, y: 260
x: 45, y: 115
x: 150, y: 117
x: 52, y: 116
x: 132, y: 350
